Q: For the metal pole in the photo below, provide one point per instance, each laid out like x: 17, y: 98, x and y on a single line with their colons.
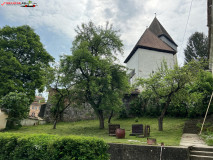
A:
x: 206, y: 114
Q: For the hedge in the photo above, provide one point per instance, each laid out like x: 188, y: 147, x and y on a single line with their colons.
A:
x: 51, y: 147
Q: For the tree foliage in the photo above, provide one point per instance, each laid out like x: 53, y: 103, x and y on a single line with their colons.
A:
x: 197, y: 47
x: 23, y: 60
x: 16, y: 106
x: 100, y: 82
x: 61, y: 92
x: 10, y: 70
x: 169, y: 86
x: 202, y: 86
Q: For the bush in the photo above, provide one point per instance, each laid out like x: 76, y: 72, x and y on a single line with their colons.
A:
x: 177, y: 111
x: 17, y: 108
x: 136, y: 107
x: 123, y: 112
x: 51, y: 147
x: 208, y: 137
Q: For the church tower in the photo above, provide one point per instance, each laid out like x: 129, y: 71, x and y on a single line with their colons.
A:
x: 154, y: 46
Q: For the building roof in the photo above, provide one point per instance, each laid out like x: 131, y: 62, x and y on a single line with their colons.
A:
x: 159, y: 30
x: 150, y: 40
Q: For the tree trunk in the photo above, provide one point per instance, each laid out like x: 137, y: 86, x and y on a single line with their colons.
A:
x: 110, y: 117
x: 160, y: 118
x: 54, y: 124
x: 160, y: 123
x: 101, y: 119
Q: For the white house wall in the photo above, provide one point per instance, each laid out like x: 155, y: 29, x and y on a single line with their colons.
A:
x: 3, y: 119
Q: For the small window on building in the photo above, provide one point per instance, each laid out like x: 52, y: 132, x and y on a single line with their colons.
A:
x: 35, y: 108
x: 32, y: 107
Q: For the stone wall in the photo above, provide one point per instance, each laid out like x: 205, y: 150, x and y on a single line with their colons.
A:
x: 136, y: 152
x: 70, y: 114
x: 83, y: 112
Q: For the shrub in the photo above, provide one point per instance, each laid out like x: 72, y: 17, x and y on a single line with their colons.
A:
x: 51, y: 147
x: 177, y: 111
x: 17, y: 108
x: 135, y: 107
x: 208, y: 137
x: 123, y: 113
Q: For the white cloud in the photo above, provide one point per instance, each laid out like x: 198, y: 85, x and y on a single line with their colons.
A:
x: 130, y: 16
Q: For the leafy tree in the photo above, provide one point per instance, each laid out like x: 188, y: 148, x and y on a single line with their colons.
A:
x: 202, y: 86
x: 10, y: 70
x: 60, y: 100
x: 197, y: 47
x: 23, y: 60
x: 16, y: 106
x: 61, y: 91
x: 100, y: 82
x: 169, y: 86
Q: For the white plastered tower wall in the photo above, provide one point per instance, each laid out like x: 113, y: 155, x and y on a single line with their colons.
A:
x: 150, y: 61
x: 154, y: 46
x: 133, y: 65
x: 146, y: 62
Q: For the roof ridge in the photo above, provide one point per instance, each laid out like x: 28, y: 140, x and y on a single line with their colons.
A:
x: 157, y: 28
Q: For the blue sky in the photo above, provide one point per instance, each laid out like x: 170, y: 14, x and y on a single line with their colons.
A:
x: 54, y: 21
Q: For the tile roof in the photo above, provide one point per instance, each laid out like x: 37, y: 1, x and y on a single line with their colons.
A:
x: 159, y: 30
x: 150, y: 40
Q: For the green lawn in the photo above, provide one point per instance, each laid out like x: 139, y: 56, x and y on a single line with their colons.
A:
x: 170, y: 136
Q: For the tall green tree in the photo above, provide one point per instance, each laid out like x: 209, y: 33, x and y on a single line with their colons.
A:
x: 10, y: 70
x: 169, y: 86
x: 203, y: 86
x: 23, y: 61
x: 100, y: 82
x: 197, y: 47
x: 16, y: 106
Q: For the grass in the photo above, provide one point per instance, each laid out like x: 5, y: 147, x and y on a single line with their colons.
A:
x: 208, y: 138
x: 170, y: 136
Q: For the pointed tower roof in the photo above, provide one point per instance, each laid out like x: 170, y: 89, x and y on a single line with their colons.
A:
x: 159, y: 30
x: 151, y: 42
